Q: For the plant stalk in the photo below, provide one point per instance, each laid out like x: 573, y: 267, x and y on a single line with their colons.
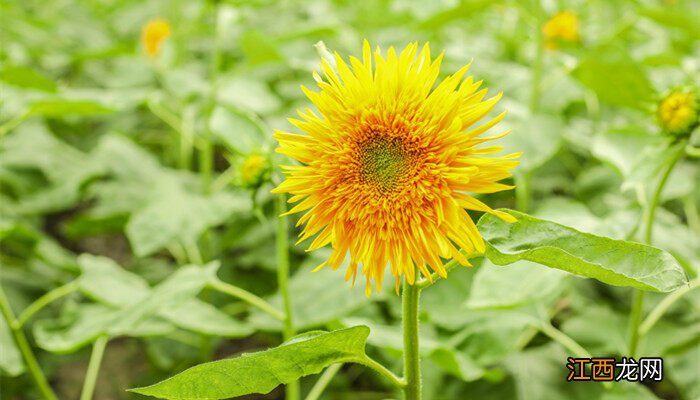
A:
x: 98, y: 349
x: 45, y: 300
x: 26, y: 351
x: 323, y: 381
x: 292, y: 392
x: 638, y: 301
x: 248, y: 297
x: 411, y: 355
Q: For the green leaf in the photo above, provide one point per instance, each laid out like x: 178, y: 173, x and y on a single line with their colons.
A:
x: 26, y: 78
x: 457, y: 364
x: 10, y: 357
x: 81, y: 324
x: 176, y: 214
x: 181, y: 286
x: 104, y: 280
x: 198, y: 316
x: 683, y: 19
x: 621, y: 147
x: 263, y: 371
x: 615, y: 262
x: 521, y: 283
x: 239, y: 130
x: 65, y: 107
x: 259, y: 48
x: 317, y: 297
x: 537, y: 136
x: 615, y: 77
x: 33, y: 147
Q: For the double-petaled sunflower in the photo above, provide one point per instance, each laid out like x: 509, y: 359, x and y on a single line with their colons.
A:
x: 387, y: 162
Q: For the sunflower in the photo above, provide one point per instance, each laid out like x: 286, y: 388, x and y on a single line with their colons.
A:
x: 387, y: 161
x: 154, y: 34
x: 561, y: 27
x: 678, y: 112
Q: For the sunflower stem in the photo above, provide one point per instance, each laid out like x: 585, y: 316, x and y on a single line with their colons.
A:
x: 29, y: 359
x: 411, y: 355
x: 292, y: 392
x: 638, y: 301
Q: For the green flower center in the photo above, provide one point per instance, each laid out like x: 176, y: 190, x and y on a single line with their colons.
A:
x: 383, y: 162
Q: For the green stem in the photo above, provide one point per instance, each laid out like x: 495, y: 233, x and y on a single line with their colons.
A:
x: 651, y: 210
x: 635, y: 320
x: 367, y: 361
x: 537, y: 70
x: 246, y: 296
x: 98, y: 349
x: 638, y: 301
x: 45, y: 300
x: 206, y: 165
x: 292, y: 392
x: 449, y: 266
x: 323, y: 381
x: 14, y: 122
x: 411, y: 355
x: 522, y: 191
x: 26, y: 351
x: 664, y: 305
x: 563, y: 339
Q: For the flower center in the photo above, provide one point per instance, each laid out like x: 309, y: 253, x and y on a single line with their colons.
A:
x: 384, y: 162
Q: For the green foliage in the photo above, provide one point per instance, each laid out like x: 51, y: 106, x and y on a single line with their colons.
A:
x: 115, y: 226
x: 261, y: 372
x: 615, y: 262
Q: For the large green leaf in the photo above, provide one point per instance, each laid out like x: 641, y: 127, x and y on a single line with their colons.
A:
x: 615, y: 262
x: 263, y: 371
x: 521, y: 283
x: 615, y: 77
x: 239, y: 130
x: 177, y: 214
x: 27, y: 78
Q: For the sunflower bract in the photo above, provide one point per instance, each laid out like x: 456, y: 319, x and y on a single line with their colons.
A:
x: 387, y: 161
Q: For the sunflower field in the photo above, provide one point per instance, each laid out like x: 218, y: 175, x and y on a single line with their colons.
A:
x: 335, y: 199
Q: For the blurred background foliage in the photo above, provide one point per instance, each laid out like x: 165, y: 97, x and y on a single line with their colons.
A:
x: 122, y: 163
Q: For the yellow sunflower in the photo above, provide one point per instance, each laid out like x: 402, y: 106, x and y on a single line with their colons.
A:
x: 561, y: 27
x: 154, y: 33
x: 387, y: 161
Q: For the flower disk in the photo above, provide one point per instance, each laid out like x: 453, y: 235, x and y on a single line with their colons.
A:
x: 678, y: 112
x: 387, y: 162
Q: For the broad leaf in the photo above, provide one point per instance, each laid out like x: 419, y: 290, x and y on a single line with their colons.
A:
x: 521, y: 283
x: 263, y: 371
x: 615, y: 77
x: 615, y: 262
x: 27, y: 78
x: 239, y: 130
x: 10, y: 357
x: 175, y: 214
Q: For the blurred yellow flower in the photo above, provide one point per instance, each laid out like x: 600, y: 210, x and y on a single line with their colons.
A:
x: 387, y: 161
x: 678, y: 112
x: 253, y: 170
x: 154, y: 34
x: 562, y: 26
